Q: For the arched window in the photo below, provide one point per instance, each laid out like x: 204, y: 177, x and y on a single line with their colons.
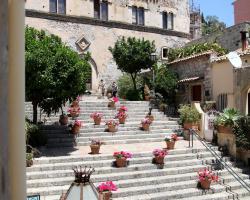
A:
x: 165, y: 20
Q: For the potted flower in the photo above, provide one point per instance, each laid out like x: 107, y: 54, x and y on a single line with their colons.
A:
x: 63, y: 120
x: 149, y: 115
x: 95, y: 146
x: 29, y: 159
x: 170, y: 141
x: 97, y: 117
x: 159, y: 155
x: 226, y: 120
x: 189, y: 116
x: 105, y: 190
x: 145, y: 124
x: 122, y: 117
x: 121, y: 158
x: 123, y: 109
x: 76, y: 127
x: 206, y: 177
x: 146, y: 92
x: 74, y: 111
x: 112, y: 102
x: 112, y: 125
x: 75, y: 103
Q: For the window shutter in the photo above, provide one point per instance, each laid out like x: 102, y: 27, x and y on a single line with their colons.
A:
x: 53, y: 6
x: 62, y: 6
x: 141, y: 16
x: 134, y: 15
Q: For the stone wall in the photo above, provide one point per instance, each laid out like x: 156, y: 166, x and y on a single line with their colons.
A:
x: 229, y: 140
x: 121, y: 11
x: 97, y: 38
x: 229, y: 38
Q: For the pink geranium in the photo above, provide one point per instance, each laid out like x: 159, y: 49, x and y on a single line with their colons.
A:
x: 146, y: 121
x: 160, y: 153
x: 122, y: 154
x: 77, y: 123
x: 120, y: 115
x: 206, y: 174
x: 96, y: 115
x: 107, y: 186
x: 123, y: 109
x: 115, y: 99
x: 112, y: 122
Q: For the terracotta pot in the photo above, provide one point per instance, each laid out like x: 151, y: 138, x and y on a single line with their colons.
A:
x: 104, y: 195
x: 95, y: 149
x: 205, y: 184
x: 170, y: 144
x: 74, y: 113
x: 225, y: 129
x: 122, y: 120
x: 111, y: 104
x: 29, y: 163
x: 63, y: 119
x: 97, y: 121
x: 75, y: 129
x: 112, y: 129
x: 150, y: 117
x: 147, y: 97
x: 145, y: 127
x: 121, y: 162
x: 75, y: 104
x: 159, y: 160
x: 188, y: 125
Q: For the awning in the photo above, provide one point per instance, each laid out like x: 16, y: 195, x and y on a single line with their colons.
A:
x: 185, y: 80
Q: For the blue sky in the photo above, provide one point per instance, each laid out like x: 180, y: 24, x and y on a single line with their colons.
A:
x: 221, y: 8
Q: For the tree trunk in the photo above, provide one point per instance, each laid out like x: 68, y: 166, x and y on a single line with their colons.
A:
x: 34, y: 112
x: 134, y: 81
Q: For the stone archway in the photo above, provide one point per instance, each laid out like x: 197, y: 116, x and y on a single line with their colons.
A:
x: 94, y: 75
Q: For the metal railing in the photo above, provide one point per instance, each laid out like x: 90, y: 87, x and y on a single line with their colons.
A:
x: 218, y: 158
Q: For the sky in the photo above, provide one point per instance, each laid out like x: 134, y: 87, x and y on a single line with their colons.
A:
x: 220, y: 8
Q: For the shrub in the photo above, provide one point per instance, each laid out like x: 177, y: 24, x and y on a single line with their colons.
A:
x: 133, y: 95
x: 34, y: 137
x: 188, y: 114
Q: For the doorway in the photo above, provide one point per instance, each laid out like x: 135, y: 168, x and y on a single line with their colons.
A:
x: 196, y: 93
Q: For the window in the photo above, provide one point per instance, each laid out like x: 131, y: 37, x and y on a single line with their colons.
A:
x: 222, y: 102
x: 165, y: 20
x: 164, y: 53
x: 171, y: 21
x: 57, y: 6
x: 137, y: 15
x: 101, y: 10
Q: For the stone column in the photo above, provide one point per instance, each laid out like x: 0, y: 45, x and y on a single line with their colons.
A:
x: 4, y: 180
x: 16, y: 98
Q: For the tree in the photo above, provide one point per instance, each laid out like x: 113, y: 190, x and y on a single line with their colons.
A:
x: 54, y: 73
x: 132, y: 55
x: 212, y: 25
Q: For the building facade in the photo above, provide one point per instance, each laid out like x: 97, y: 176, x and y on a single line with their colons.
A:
x: 93, y: 26
x: 241, y: 11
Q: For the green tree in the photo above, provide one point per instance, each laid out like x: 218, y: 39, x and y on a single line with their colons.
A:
x: 54, y: 73
x: 212, y: 25
x: 132, y: 55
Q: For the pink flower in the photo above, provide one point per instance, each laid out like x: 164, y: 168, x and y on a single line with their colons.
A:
x: 146, y: 121
x: 112, y: 122
x: 174, y: 137
x: 123, y: 109
x: 77, y: 123
x: 115, y: 99
x: 121, y: 115
x: 207, y: 175
x: 122, y: 154
x: 160, y: 152
x: 96, y: 115
x: 107, y: 186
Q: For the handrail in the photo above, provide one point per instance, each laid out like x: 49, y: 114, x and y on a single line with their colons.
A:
x: 220, y: 159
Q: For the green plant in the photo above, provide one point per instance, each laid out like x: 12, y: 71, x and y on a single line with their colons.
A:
x: 132, y: 55
x: 241, y: 130
x: 228, y: 117
x: 133, y: 95
x: 54, y: 73
x: 188, y: 114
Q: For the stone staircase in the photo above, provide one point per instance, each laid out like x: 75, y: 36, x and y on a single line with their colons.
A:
x: 177, y: 179
x: 127, y: 133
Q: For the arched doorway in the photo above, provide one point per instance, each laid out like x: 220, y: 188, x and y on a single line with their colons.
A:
x: 92, y: 84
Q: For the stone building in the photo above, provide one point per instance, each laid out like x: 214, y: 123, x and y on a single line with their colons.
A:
x: 95, y: 25
x: 241, y: 11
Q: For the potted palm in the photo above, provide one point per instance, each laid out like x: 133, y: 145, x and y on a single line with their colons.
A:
x: 105, y: 190
x: 206, y: 177
x: 76, y: 127
x: 121, y: 158
x: 226, y: 120
x: 95, y: 146
x: 189, y: 116
x: 112, y: 125
x: 97, y: 117
x: 170, y: 141
x: 159, y: 155
x: 146, y: 124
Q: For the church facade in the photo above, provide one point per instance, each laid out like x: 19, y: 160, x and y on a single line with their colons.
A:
x: 95, y: 25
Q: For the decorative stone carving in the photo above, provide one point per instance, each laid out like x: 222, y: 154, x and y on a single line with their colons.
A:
x: 82, y: 43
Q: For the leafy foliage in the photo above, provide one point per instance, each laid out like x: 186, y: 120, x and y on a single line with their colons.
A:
x: 132, y: 55
x: 195, y: 49
x: 212, y: 25
x: 242, y: 132
x: 188, y: 114
x: 228, y: 117
x: 166, y: 83
x: 126, y: 88
x: 54, y: 73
